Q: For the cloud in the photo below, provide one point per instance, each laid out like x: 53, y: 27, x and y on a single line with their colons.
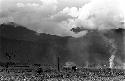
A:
x: 33, y: 4
x: 6, y: 20
x: 59, y: 16
x: 20, y: 5
x: 48, y: 2
x: 73, y: 11
x: 71, y: 3
x: 97, y: 14
x: 43, y: 16
x: 101, y: 14
x: 27, y: 13
x: 65, y: 14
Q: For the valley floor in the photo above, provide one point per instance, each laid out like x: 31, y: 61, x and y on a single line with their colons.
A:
x: 64, y: 76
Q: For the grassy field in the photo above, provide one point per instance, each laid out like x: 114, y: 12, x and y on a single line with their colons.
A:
x: 81, y: 75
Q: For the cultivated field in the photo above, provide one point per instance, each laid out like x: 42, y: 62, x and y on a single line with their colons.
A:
x: 64, y: 75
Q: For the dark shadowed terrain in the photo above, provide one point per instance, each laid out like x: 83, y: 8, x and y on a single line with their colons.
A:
x: 24, y: 45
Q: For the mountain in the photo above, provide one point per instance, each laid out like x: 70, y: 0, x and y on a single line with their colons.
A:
x: 27, y: 46
x: 19, y: 44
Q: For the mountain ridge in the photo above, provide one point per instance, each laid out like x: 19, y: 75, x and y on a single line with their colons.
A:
x: 45, y: 48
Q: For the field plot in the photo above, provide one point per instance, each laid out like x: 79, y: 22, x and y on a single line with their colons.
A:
x: 81, y: 75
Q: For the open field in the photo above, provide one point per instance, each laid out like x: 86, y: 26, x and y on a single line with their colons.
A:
x: 81, y: 75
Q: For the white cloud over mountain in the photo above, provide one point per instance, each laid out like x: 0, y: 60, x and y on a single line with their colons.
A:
x: 59, y: 16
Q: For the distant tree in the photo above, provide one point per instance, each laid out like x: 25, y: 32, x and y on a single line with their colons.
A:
x: 10, y: 55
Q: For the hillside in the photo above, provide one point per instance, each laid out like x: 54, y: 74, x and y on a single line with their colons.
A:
x: 24, y: 45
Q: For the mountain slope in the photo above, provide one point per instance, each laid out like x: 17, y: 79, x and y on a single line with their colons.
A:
x: 25, y: 45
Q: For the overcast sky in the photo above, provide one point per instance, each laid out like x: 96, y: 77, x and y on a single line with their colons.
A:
x: 59, y: 16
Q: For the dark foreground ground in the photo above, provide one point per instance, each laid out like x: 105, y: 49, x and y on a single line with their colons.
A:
x: 65, y: 75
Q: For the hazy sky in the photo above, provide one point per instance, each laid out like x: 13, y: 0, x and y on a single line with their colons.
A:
x: 59, y: 16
